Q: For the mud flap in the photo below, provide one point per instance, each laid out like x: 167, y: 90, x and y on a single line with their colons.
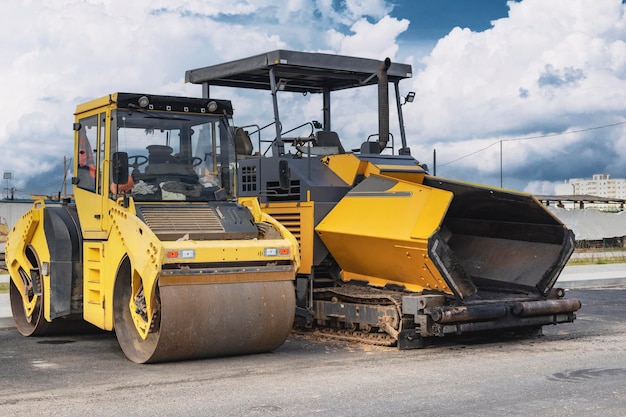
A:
x: 64, y: 238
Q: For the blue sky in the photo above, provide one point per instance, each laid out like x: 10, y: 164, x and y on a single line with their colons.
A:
x: 544, y: 78
x: 432, y: 20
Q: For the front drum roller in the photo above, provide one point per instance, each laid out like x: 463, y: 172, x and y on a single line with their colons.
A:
x: 207, y: 320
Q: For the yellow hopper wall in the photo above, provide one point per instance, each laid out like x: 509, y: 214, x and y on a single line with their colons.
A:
x: 379, y: 233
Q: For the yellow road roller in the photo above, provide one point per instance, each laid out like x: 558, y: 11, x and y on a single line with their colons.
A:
x: 154, y: 245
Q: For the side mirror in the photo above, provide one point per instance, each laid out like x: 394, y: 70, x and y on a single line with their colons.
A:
x: 119, y: 168
x: 284, y: 175
x: 226, y: 180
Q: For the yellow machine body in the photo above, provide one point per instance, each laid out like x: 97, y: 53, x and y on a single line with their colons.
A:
x: 177, y: 266
x: 366, y: 239
x: 390, y: 254
x: 396, y: 214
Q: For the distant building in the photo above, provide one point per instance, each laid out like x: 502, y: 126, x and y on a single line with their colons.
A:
x: 600, y: 185
x: 601, y: 192
x: 604, y: 226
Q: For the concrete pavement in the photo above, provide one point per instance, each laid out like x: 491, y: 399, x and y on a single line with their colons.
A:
x: 572, y: 277
x: 6, y: 318
x: 592, y: 276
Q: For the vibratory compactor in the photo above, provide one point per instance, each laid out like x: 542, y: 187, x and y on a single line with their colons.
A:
x: 154, y: 244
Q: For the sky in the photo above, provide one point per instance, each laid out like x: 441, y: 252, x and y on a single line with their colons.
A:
x: 525, y: 94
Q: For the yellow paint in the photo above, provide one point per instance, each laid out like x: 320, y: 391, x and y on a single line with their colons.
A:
x: 298, y: 219
x: 28, y: 231
x: 113, y: 233
x: 345, y: 166
x: 97, y: 103
x: 410, y: 176
x: 382, y: 237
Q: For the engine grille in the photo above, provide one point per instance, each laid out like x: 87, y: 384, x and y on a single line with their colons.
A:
x: 171, y: 223
x: 291, y: 221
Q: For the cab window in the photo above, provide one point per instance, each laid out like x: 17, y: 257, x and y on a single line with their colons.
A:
x: 86, y: 163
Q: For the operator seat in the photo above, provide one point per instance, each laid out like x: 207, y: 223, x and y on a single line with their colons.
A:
x: 328, y: 138
x: 243, y: 144
x: 158, y: 155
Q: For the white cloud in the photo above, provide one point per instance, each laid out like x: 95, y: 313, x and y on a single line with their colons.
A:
x: 370, y: 40
x: 374, y: 8
x: 348, y: 11
x: 541, y: 188
x: 64, y: 52
x: 549, y: 67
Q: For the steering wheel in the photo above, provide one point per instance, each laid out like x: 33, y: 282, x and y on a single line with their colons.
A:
x: 193, y: 160
x: 138, y: 160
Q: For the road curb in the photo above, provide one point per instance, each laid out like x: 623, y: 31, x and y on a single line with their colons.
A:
x: 591, y: 283
x: 6, y: 323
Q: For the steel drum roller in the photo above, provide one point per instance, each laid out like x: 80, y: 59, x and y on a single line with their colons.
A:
x: 207, y: 320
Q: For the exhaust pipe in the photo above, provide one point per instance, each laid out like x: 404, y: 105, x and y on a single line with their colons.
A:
x: 383, y: 105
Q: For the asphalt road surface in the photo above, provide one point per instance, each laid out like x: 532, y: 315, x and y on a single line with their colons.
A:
x: 575, y: 369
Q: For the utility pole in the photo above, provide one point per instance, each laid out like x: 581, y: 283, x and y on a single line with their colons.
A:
x: 64, y: 176
x: 501, y: 164
x: 7, y: 177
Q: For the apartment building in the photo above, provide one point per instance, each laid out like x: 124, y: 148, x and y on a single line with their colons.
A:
x: 600, y: 185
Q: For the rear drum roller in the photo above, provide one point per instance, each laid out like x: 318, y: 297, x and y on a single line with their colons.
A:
x: 201, y: 320
x: 28, y: 311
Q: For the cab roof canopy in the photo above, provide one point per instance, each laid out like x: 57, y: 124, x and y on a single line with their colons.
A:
x: 303, y: 72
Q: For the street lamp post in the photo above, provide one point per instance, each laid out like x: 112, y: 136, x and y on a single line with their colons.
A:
x: 7, y: 177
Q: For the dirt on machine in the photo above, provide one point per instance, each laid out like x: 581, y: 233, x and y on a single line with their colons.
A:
x: 390, y: 254
x: 154, y: 244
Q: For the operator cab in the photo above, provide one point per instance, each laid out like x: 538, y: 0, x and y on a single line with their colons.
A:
x: 161, y: 149
x: 171, y: 158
